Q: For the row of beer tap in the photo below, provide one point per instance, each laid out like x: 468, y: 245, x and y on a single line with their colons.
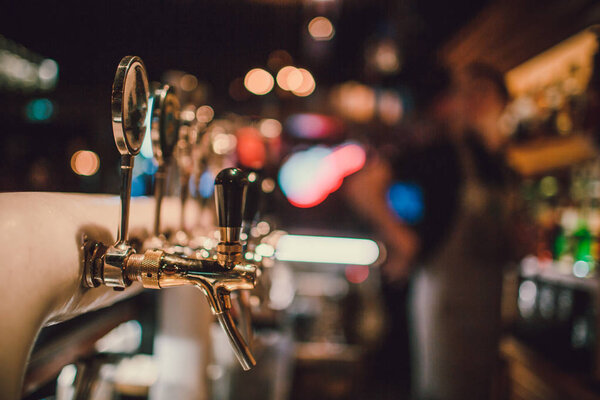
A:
x: 223, y: 272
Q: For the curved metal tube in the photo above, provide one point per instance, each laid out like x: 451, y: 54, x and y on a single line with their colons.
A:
x: 240, y: 347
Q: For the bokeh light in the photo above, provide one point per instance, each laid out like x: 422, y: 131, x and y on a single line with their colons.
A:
x: 386, y: 57
x: 307, y: 86
x: 188, y: 82
x: 259, y: 81
x: 356, y: 273
x: 321, y: 28
x: 205, y: 114
x: 289, y: 78
x: 389, y: 107
x: 313, y: 126
x: 267, y: 185
x: 237, y: 90
x: 548, y: 186
x: 206, y: 185
x: 251, y: 151
x: 406, y: 200
x: 327, y: 249
x: 270, y: 128
x: 224, y: 143
x: 39, y: 110
x: 48, y: 73
x: 85, y: 162
x: 308, y: 177
x: 354, y: 101
x: 581, y: 269
x: 279, y: 58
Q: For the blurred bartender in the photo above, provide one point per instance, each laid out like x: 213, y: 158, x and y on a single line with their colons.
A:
x: 441, y: 207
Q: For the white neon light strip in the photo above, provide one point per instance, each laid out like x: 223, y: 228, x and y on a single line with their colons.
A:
x: 327, y: 249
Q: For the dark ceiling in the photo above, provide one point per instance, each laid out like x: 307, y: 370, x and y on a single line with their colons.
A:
x: 218, y: 40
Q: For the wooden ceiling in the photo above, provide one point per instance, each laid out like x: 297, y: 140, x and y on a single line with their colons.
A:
x: 508, y: 33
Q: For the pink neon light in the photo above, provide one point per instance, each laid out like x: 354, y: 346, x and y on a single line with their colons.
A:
x: 324, y: 176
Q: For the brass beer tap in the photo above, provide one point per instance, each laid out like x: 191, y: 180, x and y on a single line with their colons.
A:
x: 119, y: 265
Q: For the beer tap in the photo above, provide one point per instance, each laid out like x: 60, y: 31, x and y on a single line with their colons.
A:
x: 251, y: 210
x: 129, y: 107
x: 165, y: 132
x: 119, y: 265
x: 231, y: 186
x: 185, y: 166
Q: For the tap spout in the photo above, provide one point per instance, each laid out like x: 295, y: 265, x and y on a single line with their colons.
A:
x: 157, y: 269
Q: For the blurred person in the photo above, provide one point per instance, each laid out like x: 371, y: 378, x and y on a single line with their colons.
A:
x: 454, y: 248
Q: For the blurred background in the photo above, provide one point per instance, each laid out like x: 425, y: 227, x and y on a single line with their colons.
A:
x: 355, y: 112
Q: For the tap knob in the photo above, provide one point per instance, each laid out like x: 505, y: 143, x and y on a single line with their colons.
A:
x: 231, y: 186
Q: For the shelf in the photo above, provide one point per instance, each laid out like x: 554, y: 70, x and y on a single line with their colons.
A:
x: 543, y: 155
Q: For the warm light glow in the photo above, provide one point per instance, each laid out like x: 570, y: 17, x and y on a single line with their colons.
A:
x: 556, y: 65
x: 258, y: 81
x: 205, y: 114
x: 386, y: 58
x: 85, y: 162
x: 251, y: 151
x: 326, y: 249
x: 356, y: 273
x: 224, y: 143
x: 320, y: 28
x: 265, y: 250
x: 308, y: 84
x: 389, y: 107
x: 188, y: 82
x: 267, y: 185
x: 278, y: 59
x: 289, y: 78
x: 270, y: 128
x: 237, y: 91
x: 354, y: 101
x: 263, y: 228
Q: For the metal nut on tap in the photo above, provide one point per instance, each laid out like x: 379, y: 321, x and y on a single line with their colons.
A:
x: 145, y: 268
x: 229, y: 253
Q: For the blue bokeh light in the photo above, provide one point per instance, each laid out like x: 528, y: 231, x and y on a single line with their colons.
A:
x: 406, y: 200
x: 206, y: 186
x: 39, y: 110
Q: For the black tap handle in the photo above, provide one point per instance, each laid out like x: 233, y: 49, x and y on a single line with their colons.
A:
x: 253, y: 197
x: 231, y: 186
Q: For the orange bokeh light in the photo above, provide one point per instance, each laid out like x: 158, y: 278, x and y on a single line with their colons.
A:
x: 251, y: 149
x: 289, y: 78
x: 258, y: 81
x: 85, y: 162
x: 321, y: 28
x: 308, y: 84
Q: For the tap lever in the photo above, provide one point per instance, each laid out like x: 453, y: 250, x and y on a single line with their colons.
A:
x: 231, y: 186
x: 164, y: 113
x: 129, y: 105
